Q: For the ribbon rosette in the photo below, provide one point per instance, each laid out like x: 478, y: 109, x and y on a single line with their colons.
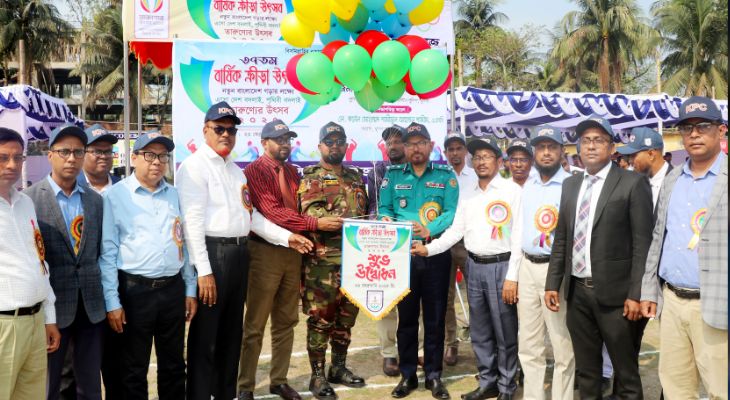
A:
x: 546, y: 219
x: 498, y: 215
x: 177, y: 237
x: 429, y: 212
x: 697, y: 222
x: 40, y: 248
x: 77, y: 228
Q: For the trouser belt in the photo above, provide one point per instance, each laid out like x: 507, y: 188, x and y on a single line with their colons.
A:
x: 489, y: 259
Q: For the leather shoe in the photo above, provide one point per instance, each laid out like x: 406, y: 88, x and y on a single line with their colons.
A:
x: 245, y: 395
x: 285, y: 392
x: 405, y: 387
x: 437, y: 388
x: 505, y: 396
x: 390, y: 366
x: 481, y: 393
x: 452, y: 356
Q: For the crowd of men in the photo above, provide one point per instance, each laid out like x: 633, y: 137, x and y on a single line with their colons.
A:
x: 95, y: 270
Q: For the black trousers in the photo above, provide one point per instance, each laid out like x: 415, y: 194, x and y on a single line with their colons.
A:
x: 153, y: 313
x: 112, y: 369
x: 429, y: 289
x: 214, y: 339
x: 590, y: 325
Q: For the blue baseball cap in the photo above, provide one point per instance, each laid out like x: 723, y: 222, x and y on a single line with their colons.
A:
x: 642, y: 139
x: 275, y: 129
x: 699, y: 107
x: 221, y: 110
x: 67, y: 130
x: 546, y: 132
x: 595, y: 121
x: 484, y: 142
x: 520, y: 144
x: 97, y: 132
x: 454, y: 136
x: 153, y: 137
x: 416, y: 129
x: 332, y: 128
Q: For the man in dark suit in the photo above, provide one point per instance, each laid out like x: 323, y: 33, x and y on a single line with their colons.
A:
x: 598, y: 257
x: 69, y: 218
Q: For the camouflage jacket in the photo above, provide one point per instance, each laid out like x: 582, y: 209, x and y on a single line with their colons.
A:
x: 323, y: 193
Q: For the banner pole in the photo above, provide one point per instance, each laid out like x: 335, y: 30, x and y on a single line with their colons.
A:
x: 452, y: 98
x: 139, y: 98
x: 126, y: 109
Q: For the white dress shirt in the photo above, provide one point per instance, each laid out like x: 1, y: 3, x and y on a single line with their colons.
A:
x: 467, y: 180
x: 101, y: 190
x: 595, y: 194
x: 23, y: 282
x: 656, y: 182
x: 212, y: 200
x: 471, y: 223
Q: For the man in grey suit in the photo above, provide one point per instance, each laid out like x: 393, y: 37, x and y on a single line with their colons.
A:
x: 69, y: 218
x: 688, y: 257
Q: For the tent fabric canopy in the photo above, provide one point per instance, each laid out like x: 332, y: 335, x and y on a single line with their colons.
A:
x: 33, y: 112
x: 511, y: 114
x: 158, y: 53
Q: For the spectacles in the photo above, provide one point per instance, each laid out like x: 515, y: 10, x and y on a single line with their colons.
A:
x: 5, y: 158
x: 333, y: 142
x: 232, y: 130
x: 420, y: 143
x: 479, y: 159
x: 702, y: 127
x: 101, y: 153
x: 282, y: 140
x: 597, y: 141
x: 151, y: 156
x: 66, y: 153
x: 519, y: 160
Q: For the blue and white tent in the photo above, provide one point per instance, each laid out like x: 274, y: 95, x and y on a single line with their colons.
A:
x: 32, y: 112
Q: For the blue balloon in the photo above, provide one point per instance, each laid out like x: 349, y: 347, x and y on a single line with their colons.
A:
x: 394, y: 28
x: 379, y: 14
x: 403, y: 18
x: 373, y: 26
x: 336, y: 33
x: 373, y: 4
x: 406, y: 6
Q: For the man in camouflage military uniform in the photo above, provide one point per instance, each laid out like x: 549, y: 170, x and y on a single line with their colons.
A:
x: 329, y: 189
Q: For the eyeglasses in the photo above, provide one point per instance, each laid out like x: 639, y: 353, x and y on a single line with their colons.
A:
x: 519, y: 160
x: 597, y: 141
x: 479, y: 159
x: 334, y: 142
x: 702, y: 127
x: 5, y: 158
x: 151, y: 156
x: 66, y: 153
x: 232, y: 130
x: 282, y: 140
x: 101, y: 153
x: 420, y: 143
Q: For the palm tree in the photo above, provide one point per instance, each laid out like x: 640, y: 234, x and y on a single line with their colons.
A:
x: 606, y: 35
x: 695, y: 44
x: 475, y: 17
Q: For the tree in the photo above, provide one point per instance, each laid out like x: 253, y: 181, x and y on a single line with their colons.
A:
x: 695, y: 43
x: 475, y: 17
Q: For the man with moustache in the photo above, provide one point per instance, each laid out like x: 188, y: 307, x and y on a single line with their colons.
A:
x: 26, y: 334
x: 538, y: 219
x: 69, y: 218
x: 645, y: 153
x: 217, y: 217
x: 488, y: 213
x: 685, y: 284
x: 329, y: 189
x: 149, y: 285
x: 99, y: 159
x: 519, y: 153
x: 598, y: 258
x: 425, y: 194
x: 275, y: 272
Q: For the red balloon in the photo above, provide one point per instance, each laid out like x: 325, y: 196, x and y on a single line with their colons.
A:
x: 409, y: 87
x: 369, y: 40
x: 291, y: 75
x: 414, y: 44
x: 438, y: 91
x: 332, y: 48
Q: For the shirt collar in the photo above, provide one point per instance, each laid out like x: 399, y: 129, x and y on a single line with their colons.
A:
x: 602, y: 174
x: 466, y: 171
x: 408, y: 167
x: 714, y: 169
x: 659, y: 176
x: 14, y: 196
x: 496, y: 183
x: 57, y: 189
x: 558, y: 178
x: 134, y: 184
x: 86, y: 178
x: 210, y: 153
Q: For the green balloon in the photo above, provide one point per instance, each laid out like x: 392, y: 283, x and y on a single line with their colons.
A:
x: 391, y: 61
x: 319, y: 99
x: 391, y: 93
x: 367, y: 98
x: 429, y: 69
x: 352, y: 66
x: 335, y: 91
x: 314, y: 71
x: 358, y: 21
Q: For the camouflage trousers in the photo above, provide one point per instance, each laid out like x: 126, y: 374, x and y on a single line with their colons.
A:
x: 331, y: 314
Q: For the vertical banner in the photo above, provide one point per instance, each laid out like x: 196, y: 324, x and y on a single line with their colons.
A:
x: 152, y: 19
x: 376, y: 264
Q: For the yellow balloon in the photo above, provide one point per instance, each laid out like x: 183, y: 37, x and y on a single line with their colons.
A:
x: 315, y: 13
x: 390, y: 7
x: 295, y: 32
x: 426, y: 12
x: 344, y: 9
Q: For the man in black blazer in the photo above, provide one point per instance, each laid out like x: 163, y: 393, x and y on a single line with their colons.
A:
x: 598, y: 257
x: 69, y: 218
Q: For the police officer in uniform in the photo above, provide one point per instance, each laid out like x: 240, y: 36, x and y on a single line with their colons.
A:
x: 425, y: 194
x: 329, y: 189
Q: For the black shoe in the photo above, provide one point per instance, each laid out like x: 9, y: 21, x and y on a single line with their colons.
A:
x: 318, y: 385
x: 451, y: 356
x: 390, y: 366
x: 405, y: 387
x: 437, y: 388
x: 505, y: 396
x: 285, y: 392
x: 245, y: 395
x: 339, y: 373
x: 481, y: 393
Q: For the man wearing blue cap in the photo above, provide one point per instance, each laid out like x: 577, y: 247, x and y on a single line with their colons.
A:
x: 149, y: 283
x: 519, y: 153
x: 597, y: 262
x: 69, y: 218
x: 686, y: 278
x: 99, y: 159
x: 645, y: 154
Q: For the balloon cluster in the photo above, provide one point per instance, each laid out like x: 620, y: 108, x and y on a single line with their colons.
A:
x: 341, y: 19
x: 376, y: 68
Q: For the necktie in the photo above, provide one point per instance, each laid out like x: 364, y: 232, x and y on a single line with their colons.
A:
x: 286, y: 192
x: 581, y: 227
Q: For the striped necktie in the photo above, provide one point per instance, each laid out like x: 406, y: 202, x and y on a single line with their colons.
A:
x: 581, y: 227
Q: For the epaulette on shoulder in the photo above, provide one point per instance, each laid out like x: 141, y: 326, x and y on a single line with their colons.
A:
x: 351, y: 169
x: 393, y: 167
x: 310, y: 169
x: 445, y: 167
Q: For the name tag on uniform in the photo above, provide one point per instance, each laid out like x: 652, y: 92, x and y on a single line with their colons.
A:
x: 403, y: 187
x: 435, y: 185
x: 331, y: 182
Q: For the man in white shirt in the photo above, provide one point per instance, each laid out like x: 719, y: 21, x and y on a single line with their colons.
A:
x: 217, y: 218
x: 488, y: 213
x: 645, y: 152
x: 26, y: 335
x: 99, y: 159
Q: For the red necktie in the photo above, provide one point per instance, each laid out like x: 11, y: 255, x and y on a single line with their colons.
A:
x: 286, y: 192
